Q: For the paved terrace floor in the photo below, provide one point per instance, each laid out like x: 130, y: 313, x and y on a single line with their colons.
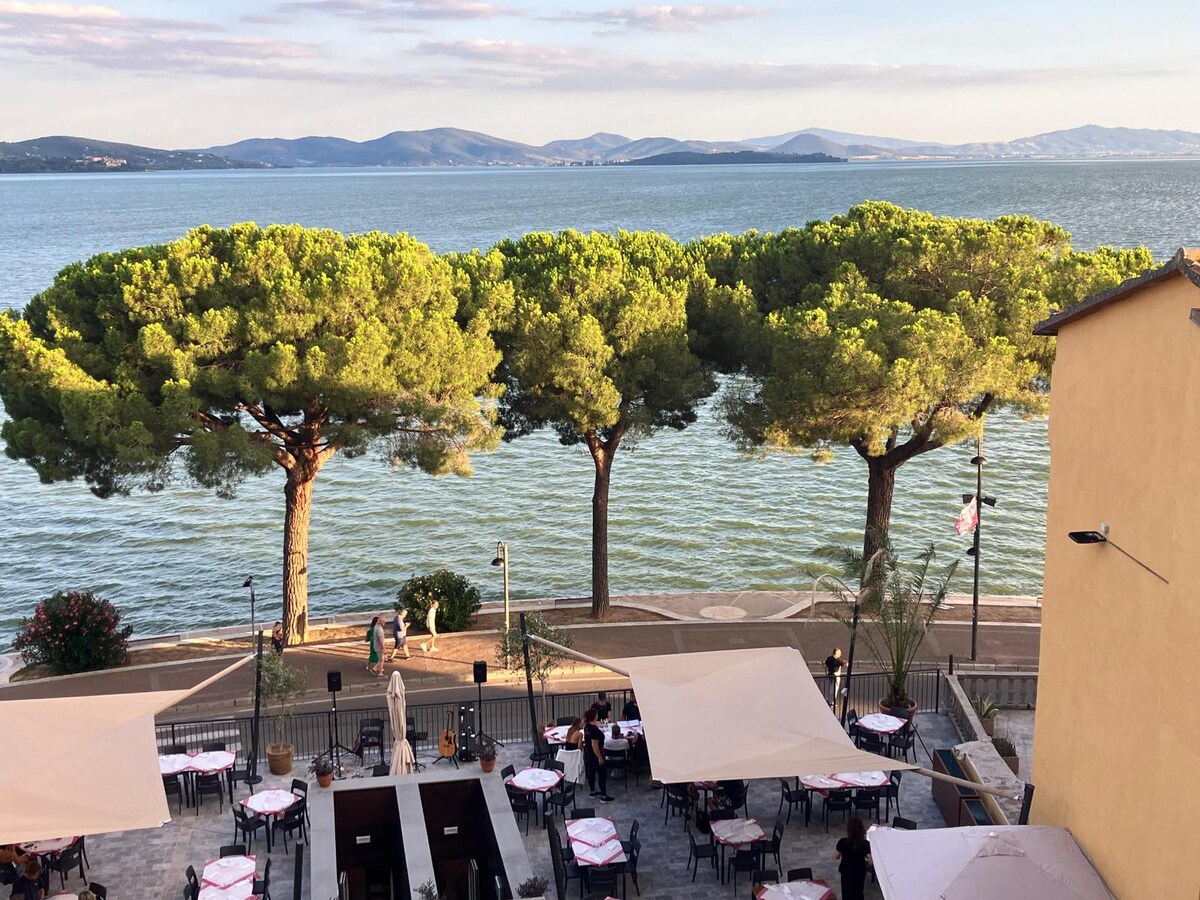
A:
x: 149, y: 864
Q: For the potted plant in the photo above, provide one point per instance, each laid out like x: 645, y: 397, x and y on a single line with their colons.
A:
x: 1008, y: 753
x: 533, y: 887
x: 427, y: 891
x: 544, y: 661
x: 280, y: 683
x: 898, y: 603
x: 323, y: 769
x: 987, y: 712
x: 487, y: 754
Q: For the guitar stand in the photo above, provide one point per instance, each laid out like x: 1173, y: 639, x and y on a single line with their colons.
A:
x: 453, y: 759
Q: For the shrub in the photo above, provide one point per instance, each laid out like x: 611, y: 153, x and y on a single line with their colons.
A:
x: 533, y: 887
x: 458, y: 599
x: 280, y: 684
x: 1004, y: 746
x: 985, y: 708
x: 74, y: 632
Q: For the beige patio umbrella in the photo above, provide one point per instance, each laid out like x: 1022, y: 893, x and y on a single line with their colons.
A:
x: 403, y: 760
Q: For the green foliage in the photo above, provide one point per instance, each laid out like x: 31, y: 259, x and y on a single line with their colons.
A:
x: 1004, y: 746
x: 533, y: 887
x: 897, y: 607
x: 76, y: 631
x: 428, y: 890
x: 543, y: 660
x: 985, y: 708
x: 458, y: 599
x: 485, y: 749
x: 595, y: 336
x: 221, y: 354
x: 280, y: 684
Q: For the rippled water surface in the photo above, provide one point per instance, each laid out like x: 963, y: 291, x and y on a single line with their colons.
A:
x: 687, y: 511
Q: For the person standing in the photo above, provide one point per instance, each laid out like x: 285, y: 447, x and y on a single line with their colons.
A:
x: 430, y: 646
x: 379, y: 641
x: 854, y: 851
x: 833, y: 676
x: 603, y: 707
x: 277, y: 637
x: 400, y: 634
x: 593, y: 757
x: 630, y: 712
x: 373, y: 657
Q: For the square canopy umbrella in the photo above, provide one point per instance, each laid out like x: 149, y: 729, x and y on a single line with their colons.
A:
x: 732, y: 714
x: 83, y: 765
x: 403, y: 761
x: 998, y: 862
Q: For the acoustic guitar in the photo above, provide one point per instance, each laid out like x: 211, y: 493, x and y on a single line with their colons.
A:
x: 447, y: 746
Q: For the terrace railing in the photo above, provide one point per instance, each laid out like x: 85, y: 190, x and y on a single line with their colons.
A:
x: 504, y: 718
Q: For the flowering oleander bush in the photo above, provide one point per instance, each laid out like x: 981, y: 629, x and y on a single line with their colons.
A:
x: 75, y: 631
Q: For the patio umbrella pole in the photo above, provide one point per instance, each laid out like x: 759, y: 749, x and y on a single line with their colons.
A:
x: 252, y: 776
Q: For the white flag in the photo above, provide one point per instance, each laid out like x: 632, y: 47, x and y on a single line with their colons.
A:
x: 968, y: 518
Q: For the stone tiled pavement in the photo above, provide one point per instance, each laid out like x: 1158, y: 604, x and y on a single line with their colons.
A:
x: 661, y: 869
x: 149, y: 864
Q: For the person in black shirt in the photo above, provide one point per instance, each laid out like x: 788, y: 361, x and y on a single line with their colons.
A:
x: 854, y: 851
x: 593, y: 756
x: 630, y: 712
x: 833, y: 675
x: 603, y: 707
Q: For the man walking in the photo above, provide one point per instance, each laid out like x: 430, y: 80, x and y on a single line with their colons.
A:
x: 430, y: 646
x: 833, y: 676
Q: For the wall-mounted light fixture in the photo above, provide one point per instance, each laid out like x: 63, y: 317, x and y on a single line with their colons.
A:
x: 1101, y: 537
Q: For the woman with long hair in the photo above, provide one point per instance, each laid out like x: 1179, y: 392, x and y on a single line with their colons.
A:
x: 593, y: 756
x: 574, y: 739
x: 375, y: 657
x: 854, y: 851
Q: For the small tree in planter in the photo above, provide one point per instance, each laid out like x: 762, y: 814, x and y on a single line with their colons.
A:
x: 458, y: 599
x: 897, y: 605
x: 280, y: 683
x: 76, y: 631
x: 542, y: 659
x: 533, y: 887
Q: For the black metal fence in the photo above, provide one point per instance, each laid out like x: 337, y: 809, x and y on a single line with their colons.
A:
x: 505, y: 719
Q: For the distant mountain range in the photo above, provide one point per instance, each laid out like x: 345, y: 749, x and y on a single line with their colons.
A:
x: 456, y: 147
x: 730, y: 158
x: 72, y: 154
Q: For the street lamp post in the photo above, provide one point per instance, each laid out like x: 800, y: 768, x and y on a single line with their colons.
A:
x: 501, y: 560
x: 980, y: 502
x: 249, y: 583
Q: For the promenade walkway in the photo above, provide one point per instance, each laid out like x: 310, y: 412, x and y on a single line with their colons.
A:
x: 667, y: 623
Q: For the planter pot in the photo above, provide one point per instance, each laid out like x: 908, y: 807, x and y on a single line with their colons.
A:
x: 989, y: 726
x: 487, y: 764
x: 279, y: 758
x: 885, y: 707
x: 1014, y: 763
x: 325, y: 780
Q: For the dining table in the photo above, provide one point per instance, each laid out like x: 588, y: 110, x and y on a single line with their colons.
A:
x: 595, y: 842
x: 48, y: 846
x: 881, y: 723
x: 630, y: 728
x: 795, y: 890
x: 271, y: 802
x: 208, y: 762
x: 243, y: 890
x: 735, y: 833
x: 536, y: 781
x: 228, y: 871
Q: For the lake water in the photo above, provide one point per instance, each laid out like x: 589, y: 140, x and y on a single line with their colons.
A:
x: 687, y: 511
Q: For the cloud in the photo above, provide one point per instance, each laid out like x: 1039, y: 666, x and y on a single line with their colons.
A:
x: 553, y: 68
x: 103, y: 37
x: 663, y: 18
x: 389, y: 10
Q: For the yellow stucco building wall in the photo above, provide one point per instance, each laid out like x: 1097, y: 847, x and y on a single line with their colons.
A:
x: 1117, y: 738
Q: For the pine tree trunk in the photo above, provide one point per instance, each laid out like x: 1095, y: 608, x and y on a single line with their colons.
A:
x: 881, y: 482
x: 298, y: 494
x: 603, y: 463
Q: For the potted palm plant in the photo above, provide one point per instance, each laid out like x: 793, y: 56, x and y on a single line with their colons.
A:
x: 987, y: 712
x: 280, y: 683
x: 897, y: 604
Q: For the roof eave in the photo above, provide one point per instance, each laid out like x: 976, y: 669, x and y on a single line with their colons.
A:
x: 1181, y: 263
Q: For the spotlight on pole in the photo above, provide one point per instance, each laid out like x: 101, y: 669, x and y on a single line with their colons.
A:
x: 501, y: 561
x: 1101, y: 537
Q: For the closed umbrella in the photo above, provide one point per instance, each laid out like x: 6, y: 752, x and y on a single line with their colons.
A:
x: 403, y: 760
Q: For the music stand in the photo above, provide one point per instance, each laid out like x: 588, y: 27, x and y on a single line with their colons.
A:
x: 333, y: 681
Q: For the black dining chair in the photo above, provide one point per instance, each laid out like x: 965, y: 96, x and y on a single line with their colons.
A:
x: 370, y: 737
x: 678, y: 802
x: 584, y: 812
x: 761, y: 877
x: 99, y: 890
x: 246, y: 823
x: 748, y: 860
x: 902, y: 742
x: 632, y: 854
x: 559, y: 799
x: 262, y: 886
x: 633, y: 833
x: 175, y: 750
x: 520, y: 803
x: 300, y: 789
x: 836, y: 801
x: 867, y: 800
x: 507, y: 772
x: 698, y: 850
x: 233, y: 850
x: 793, y: 797
x: 804, y: 873
x: 212, y: 746
x: 773, y: 844
x: 602, y: 880
x: 890, y: 792
x: 291, y: 822
x: 904, y: 824
x: 65, y: 862
x: 209, y: 785
x: 172, y: 785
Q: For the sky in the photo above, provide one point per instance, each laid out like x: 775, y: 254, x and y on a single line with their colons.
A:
x: 197, y: 73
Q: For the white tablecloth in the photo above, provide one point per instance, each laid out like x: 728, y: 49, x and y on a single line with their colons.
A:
x: 608, y: 852
x: 821, y: 783
x: 49, y: 845
x: 537, y: 780
x: 594, y: 831
x: 228, y: 870
x: 270, y: 803
x: 881, y: 723
x: 213, y: 761
x: 174, y: 763
x: 735, y: 832
x: 794, y: 890
x: 862, y: 779
x: 243, y: 890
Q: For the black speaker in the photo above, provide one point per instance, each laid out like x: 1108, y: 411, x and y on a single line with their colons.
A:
x: 480, y: 672
x: 333, y: 680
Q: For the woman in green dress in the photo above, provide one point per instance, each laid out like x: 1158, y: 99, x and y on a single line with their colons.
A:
x: 375, y: 658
